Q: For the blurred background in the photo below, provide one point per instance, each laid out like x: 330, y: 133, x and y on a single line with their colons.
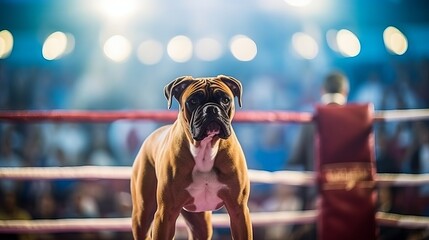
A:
x: 119, y: 54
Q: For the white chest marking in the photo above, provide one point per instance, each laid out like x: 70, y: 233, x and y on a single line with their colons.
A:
x: 204, y: 189
x: 205, y: 185
x: 204, y: 154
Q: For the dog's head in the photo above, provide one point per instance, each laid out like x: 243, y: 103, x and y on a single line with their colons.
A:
x: 206, y: 104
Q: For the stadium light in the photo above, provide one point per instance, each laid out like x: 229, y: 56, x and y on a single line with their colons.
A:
x: 243, y: 48
x: 305, y: 45
x: 117, y: 48
x: 395, y: 41
x: 150, y: 52
x: 348, y: 43
x: 298, y: 3
x: 6, y: 43
x: 117, y: 9
x: 180, y: 49
x: 57, y: 45
x: 208, y: 49
x: 331, y: 39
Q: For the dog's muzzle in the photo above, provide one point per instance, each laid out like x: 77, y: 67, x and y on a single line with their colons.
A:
x: 210, y: 119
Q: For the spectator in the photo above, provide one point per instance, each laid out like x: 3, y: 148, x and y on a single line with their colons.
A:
x: 334, y: 90
x: 283, y: 198
x: 70, y: 138
x: 9, y: 157
x: 419, y: 164
x: 10, y: 210
x: 371, y: 91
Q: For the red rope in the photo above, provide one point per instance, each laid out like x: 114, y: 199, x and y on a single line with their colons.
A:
x: 170, y: 116
x: 161, y: 116
x: 89, y: 116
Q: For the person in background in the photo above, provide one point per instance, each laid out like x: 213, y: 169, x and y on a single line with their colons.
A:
x: 419, y: 164
x: 11, y: 210
x: 334, y: 91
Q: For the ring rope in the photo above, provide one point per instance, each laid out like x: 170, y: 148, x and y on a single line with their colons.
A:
x: 124, y: 224
x: 405, y: 221
x: 401, y: 115
x: 169, y: 116
x: 218, y: 220
x: 162, y: 116
x: 293, y: 178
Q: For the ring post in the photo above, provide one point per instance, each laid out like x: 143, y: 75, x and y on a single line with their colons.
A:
x: 345, y: 172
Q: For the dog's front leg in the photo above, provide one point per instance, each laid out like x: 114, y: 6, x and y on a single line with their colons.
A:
x: 170, y: 202
x: 165, y: 222
x: 241, y: 226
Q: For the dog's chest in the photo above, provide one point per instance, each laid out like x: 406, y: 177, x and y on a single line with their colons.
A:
x: 205, y: 184
x: 204, y: 191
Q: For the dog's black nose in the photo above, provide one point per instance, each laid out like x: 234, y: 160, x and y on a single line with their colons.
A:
x: 209, y: 110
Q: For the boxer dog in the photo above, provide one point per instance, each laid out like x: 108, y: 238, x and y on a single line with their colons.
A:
x: 193, y: 166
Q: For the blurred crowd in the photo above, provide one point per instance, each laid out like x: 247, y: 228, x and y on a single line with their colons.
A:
x: 401, y: 147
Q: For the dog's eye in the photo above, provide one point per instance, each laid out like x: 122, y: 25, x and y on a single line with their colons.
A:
x: 193, y: 101
x: 225, y: 100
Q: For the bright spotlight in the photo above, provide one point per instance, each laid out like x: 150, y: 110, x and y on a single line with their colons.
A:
x: 6, y: 43
x: 208, y: 49
x: 117, y: 9
x: 179, y: 49
x: 348, y: 43
x: 150, y: 52
x: 331, y: 39
x: 70, y: 43
x: 117, y: 48
x: 305, y: 45
x: 243, y: 48
x: 57, y: 45
x: 395, y: 41
x: 298, y: 3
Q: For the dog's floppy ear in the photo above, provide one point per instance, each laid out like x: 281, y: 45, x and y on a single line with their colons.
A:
x: 234, y: 85
x: 176, y: 87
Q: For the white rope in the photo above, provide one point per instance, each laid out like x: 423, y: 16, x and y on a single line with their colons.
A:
x: 402, y: 115
x: 80, y: 172
x: 124, y: 224
x: 218, y: 220
x: 390, y: 179
x: 293, y: 178
x: 65, y: 225
x: 404, y: 221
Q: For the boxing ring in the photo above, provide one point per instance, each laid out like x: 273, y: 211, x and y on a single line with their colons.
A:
x: 293, y: 178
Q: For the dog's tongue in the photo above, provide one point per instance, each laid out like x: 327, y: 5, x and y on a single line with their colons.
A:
x: 213, y: 129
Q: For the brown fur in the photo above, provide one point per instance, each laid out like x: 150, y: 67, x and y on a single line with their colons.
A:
x: 163, y: 170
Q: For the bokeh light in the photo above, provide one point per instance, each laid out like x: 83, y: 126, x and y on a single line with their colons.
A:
x: 57, y: 45
x: 117, y: 48
x: 180, y: 49
x: 298, y: 3
x: 243, y: 48
x: 70, y: 43
x: 331, y: 39
x: 117, y: 9
x: 348, y: 43
x: 150, y: 52
x: 123, y: 53
x: 305, y: 45
x: 6, y: 43
x: 395, y: 41
x: 208, y: 49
